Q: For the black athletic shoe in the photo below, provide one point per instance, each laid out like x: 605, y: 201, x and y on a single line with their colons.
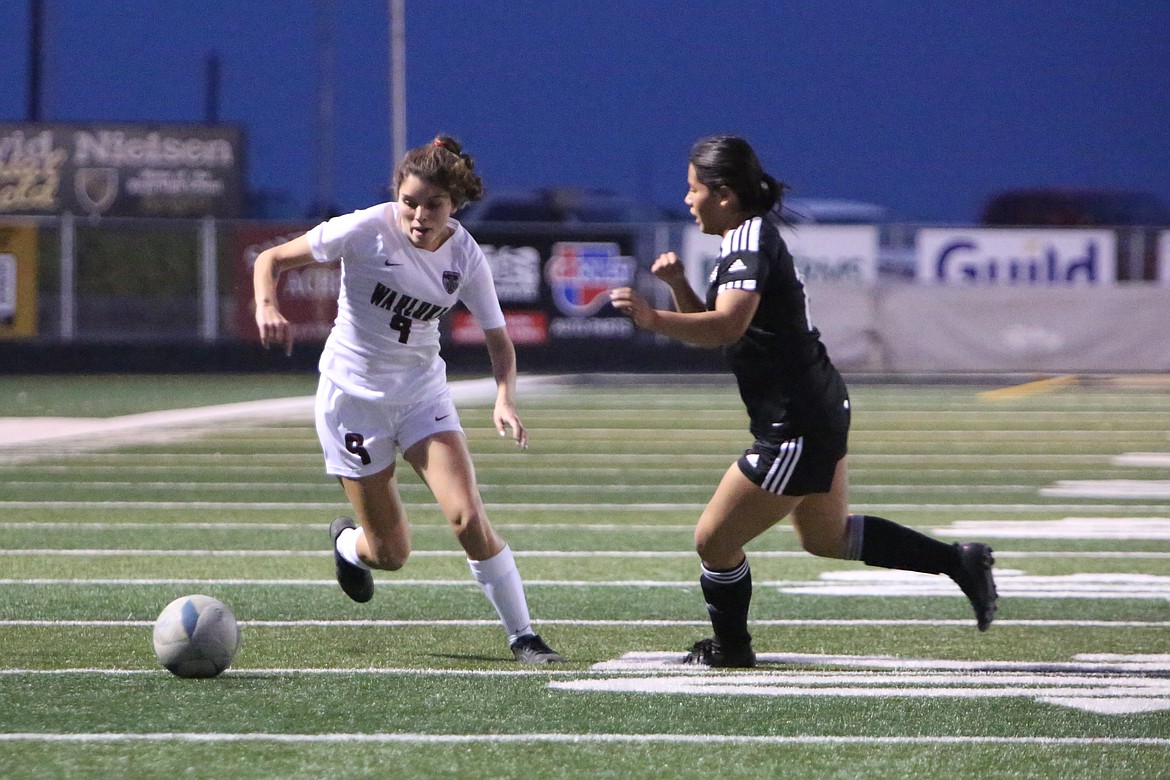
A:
x: 709, y: 652
x: 975, y: 578
x: 357, y: 582
x: 531, y: 649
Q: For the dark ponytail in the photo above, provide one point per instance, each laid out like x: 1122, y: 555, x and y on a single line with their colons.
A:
x: 729, y: 161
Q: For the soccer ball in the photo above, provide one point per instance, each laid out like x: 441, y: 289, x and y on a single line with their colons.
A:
x: 196, y: 636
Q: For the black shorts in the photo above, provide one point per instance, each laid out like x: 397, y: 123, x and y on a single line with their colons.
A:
x: 797, y: 466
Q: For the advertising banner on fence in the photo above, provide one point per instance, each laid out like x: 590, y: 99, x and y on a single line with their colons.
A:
x: 125, y: 170
x: 831, y: 254
x: 1164, y: 256
x: 839, y: 266
x: 554, y: 286
x: 550, y: 290
x: 1020, y: 257
x: 18, y: 281
x: 307, y: 296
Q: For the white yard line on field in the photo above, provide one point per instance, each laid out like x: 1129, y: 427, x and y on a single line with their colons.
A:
x: 1011, y: 583
x: 219, y: 738
x: 690, y: 509
x: 263, y: 526
x: 535, y: 456
x: 1126, y: 527
x: 488, y: 487
x: 107, y: 552
x: 789, y: 623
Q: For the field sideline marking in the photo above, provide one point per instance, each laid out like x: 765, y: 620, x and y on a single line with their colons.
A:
x: 19, y: 431
x: 1038, y: 387
x: 576, y: 738
x: 1105, y: 684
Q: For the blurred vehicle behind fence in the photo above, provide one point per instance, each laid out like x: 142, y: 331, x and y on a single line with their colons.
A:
x: 1105, y: 208
x: 562, y: 205
x: 1143, y: 213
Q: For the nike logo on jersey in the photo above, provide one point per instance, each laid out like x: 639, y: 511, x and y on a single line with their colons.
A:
x: 389, y: 263
x: 736, y: 266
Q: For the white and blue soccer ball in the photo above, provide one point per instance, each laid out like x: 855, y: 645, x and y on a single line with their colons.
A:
x: 196, y: 636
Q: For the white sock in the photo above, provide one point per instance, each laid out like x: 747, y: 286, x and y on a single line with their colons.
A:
x: 500, y: 580
x: 347, y: 546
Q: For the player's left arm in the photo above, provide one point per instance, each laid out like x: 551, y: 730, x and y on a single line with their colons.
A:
x: 503, y: 356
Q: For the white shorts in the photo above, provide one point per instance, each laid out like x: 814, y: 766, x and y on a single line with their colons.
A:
x: 361, y: 437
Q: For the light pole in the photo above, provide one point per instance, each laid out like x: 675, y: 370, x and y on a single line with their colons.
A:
x: 35, y: 33
x: 397, y: 82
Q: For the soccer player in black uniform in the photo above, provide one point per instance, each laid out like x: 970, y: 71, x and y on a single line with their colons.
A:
x: 797, y: 402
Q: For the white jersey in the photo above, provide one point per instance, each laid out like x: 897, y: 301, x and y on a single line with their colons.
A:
x: 385, y: 341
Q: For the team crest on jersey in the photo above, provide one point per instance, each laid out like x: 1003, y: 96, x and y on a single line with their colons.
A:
x: 451, y: 281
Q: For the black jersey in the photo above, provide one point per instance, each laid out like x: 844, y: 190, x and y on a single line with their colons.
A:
x: 784, y: 374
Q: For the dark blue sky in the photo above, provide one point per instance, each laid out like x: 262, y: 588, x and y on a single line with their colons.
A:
x: 926, y: 108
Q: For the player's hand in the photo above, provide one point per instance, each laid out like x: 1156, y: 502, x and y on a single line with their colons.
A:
x: 273, y: 327
x: 630, y: 303
x: 669, y: 269
x: 505, y: 417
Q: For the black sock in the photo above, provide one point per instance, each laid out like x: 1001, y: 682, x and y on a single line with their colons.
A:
x: 885, y: 543
x: 728, y: 594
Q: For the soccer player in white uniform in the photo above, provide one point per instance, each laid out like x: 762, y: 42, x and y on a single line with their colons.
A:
x: 383, y: 387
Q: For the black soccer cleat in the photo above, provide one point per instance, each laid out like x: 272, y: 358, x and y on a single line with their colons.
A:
x: 357, y: 582
x: 531, y: 649
x: 975, y: 578
x: 710, y: 652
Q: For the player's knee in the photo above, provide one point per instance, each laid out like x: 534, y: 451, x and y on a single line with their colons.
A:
x: 474, y: 532
x: 387, y: 556
x: 468, y: 521
x: 709, y: 546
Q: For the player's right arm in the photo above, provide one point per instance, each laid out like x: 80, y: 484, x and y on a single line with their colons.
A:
x: 670, y: 269
x: 270, y: 264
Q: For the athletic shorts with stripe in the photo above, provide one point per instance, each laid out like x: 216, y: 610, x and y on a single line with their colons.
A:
x: 795, y: 467
x: 361, y: 437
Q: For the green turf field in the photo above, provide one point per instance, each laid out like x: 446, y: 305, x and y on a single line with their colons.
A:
x: 864, y: 673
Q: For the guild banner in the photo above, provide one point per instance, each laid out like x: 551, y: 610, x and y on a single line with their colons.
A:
x: 121, y: 170
x: 1024, y: 257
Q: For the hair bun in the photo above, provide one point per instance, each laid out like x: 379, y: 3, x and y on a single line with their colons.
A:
x: 448, y: 143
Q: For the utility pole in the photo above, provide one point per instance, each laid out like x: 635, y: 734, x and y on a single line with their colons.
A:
x: 397, y: 82
x: 35, y: 33
x: 324, y: 205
